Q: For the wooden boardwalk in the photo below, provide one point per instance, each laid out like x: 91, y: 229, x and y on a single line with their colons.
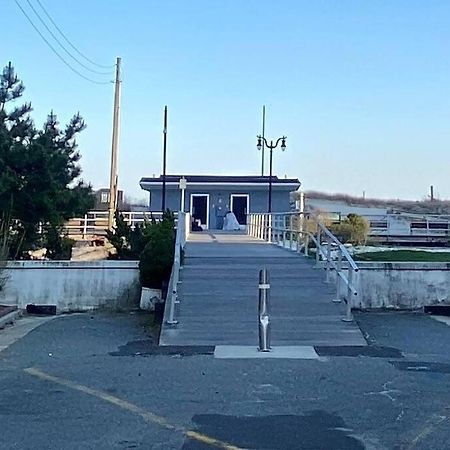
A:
x: 219, y: 296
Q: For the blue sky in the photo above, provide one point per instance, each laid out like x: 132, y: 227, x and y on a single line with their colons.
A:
x: 361, y: 88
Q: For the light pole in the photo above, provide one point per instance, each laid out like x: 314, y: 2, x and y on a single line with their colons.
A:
x: 271, y: 146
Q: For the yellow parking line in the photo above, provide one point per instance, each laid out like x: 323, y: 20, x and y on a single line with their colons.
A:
x: 147, y: 416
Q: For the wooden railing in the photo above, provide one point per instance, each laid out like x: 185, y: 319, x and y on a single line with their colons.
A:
x: 95, y: 223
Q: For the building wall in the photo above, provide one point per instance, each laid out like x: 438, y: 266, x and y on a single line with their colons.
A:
x: 101, y: 197
x: 72, y: 285
x: 219, y: 200
x: 405, y: 285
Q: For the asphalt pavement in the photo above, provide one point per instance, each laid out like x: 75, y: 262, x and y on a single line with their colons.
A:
x: 97, y: 381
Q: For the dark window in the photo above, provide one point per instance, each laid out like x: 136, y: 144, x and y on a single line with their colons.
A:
x: 417, y: 225
x: 438, y: 226
x: 378, y: 224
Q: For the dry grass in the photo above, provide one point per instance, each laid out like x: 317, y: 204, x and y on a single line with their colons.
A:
x: 393, y: 205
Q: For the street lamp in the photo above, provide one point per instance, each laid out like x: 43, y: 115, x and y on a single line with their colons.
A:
x: 271, y: 146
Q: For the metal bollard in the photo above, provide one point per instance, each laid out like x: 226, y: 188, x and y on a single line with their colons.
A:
x: 263, y: 311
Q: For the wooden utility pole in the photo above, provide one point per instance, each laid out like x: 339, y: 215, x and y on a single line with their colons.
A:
x: 114, y: 149
x: 163, y: 204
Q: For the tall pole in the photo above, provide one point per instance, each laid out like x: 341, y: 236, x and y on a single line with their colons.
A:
x: 270, y: 179
x: 114, y: 148
x: 263, y: 145
x: 163, y: 204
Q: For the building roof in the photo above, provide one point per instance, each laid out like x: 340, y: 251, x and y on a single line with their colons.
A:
x: 222, y: 179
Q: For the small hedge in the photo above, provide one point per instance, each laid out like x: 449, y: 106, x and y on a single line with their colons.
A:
x: 156, y: 260
x: 353, y: 229
x: 152, y: 243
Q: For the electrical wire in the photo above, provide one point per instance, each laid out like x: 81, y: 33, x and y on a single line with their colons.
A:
x: 61, y: 45
x: 55, y: 51
x: 69, y: 42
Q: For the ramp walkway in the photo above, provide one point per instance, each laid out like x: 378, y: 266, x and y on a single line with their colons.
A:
x: 219, y: 296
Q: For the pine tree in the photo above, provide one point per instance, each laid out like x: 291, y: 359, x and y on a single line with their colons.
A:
x: 39, y: 169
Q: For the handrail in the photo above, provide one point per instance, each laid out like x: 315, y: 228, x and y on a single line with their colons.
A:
x: 182, y: 232
x: 171, y: 297
x: 341, y: 246
x: 279, y: 229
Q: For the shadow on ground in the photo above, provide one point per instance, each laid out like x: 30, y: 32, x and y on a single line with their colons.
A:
x: 316, y: 430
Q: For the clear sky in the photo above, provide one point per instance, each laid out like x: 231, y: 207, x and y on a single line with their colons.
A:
x: 361, y: 88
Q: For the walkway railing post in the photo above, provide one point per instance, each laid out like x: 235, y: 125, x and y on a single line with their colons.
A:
x: 291, y: 241
x: 338, y: 276
x: 328, y: 259
x: 263, y: 311
x: 85, y: 226
x: 270, y: 236
x: 266, y: 227
x: 349, y: 316
x: 318, y: 247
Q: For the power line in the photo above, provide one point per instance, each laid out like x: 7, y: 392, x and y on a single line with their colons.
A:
x: 69, y: 42
x: 61, y: 45
x: 55, y: 51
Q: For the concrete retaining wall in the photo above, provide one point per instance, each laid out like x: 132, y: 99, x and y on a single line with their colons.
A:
x: 73, y: 285
x: 402, y: 285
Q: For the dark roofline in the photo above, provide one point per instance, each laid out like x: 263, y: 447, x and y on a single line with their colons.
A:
x: 231, y: 179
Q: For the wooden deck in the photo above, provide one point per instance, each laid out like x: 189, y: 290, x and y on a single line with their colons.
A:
x: 219, y: 296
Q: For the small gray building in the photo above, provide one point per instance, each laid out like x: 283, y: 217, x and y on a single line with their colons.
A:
x: 209, y: 198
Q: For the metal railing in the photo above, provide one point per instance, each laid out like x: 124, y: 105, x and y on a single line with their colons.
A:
x: 182, y: 233
x: 296, y: 231
x: 96, y: 222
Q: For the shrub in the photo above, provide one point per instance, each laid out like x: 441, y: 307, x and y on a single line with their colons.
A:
x: 58, y: 247
x: 128, y: 242
x: 156, y: 259
x: 354, y: 229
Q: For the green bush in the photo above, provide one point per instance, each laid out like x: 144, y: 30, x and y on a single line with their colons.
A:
x: 128, y: 242
x: 58, y: 247
x: 156, y: 260
x: 354, y: 229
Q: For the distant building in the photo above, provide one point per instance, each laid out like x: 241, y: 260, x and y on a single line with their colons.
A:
x: 102, y: 199
x: 208, y: 198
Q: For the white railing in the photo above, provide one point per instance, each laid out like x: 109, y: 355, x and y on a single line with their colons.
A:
x: 296, y: 231
x: 182, y: 234
x: 96, y: 222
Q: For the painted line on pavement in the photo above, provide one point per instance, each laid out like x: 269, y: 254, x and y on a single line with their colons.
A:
x: 147, y: 416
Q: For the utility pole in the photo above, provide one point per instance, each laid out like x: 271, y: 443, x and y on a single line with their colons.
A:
x: 432, y: 193
x: 113, y: 183
x: 263, y: 144
x: 163, y: 204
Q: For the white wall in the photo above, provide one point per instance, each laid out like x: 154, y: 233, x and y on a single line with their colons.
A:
x: 402, y: 285
x: 72, y: 285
